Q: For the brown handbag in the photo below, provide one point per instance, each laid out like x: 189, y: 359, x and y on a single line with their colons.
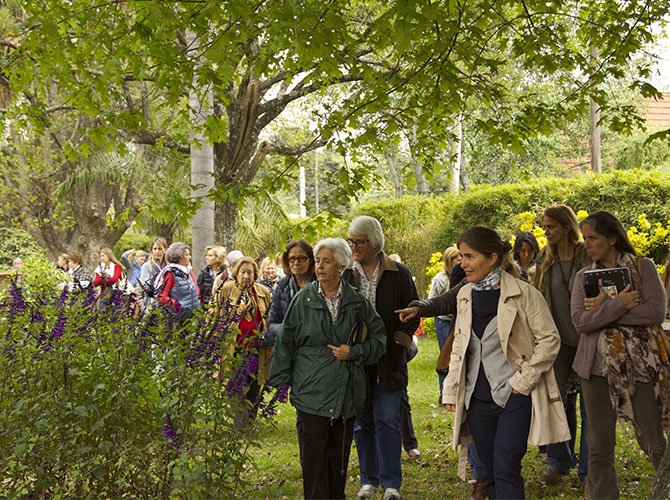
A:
x: 444, y: 358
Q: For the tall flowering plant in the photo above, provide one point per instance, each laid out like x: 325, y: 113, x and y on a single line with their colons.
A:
x: 103, y: 403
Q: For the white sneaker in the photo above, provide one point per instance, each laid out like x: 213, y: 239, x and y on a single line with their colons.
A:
x: 414, y: 453
x: 366, y: 491
x: 391, y: 494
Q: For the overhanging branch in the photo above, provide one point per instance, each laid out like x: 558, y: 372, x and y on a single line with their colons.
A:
x: 151, y: 138
x: 295, y: 149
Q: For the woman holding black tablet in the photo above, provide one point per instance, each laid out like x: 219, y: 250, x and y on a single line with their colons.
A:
x: 621, y: 359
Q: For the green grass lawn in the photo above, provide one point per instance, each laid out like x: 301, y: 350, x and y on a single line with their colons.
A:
x: 277, y: 475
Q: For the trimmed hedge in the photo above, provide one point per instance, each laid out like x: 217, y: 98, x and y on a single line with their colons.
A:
x: 416, y: 227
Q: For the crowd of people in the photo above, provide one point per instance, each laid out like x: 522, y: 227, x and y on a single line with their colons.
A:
x: 516, y: 345
x: 521, y: 339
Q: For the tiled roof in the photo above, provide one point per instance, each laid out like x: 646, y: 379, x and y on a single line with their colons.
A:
x: 658, y: 112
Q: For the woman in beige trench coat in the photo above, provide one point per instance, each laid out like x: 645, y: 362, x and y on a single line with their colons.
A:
x: 501, y: 382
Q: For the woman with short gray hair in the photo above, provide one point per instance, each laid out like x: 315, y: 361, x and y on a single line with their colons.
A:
x: 370, y: 228
x: 176, y: 252
x: 339, y: 247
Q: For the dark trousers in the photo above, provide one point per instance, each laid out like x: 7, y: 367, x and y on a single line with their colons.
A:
x: 601, y: 481
x: 500, y: 436
x: 559, y: 455
x: 571, y: 412
x: 324, y: 454
x: 409, y: 441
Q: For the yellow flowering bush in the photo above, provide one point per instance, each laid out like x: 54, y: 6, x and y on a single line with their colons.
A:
x: 434, y: 267
x: 527, y: 222
x: 651, y: 240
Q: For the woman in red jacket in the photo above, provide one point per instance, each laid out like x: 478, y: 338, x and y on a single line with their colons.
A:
x: 107, y: 274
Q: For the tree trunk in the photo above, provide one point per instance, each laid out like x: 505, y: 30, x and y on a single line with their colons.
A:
x: 86, y: 209
x: 202, y: 169
x: 394, y: 173
x: 302, y: 188
x: 166, y: 231
x: 225, y: 219
x: 316, y: 184
x: 465, y: 178
x: 421, y: 186
x: 661, y: 488
x: 596, y: 165
x: 457, y: 154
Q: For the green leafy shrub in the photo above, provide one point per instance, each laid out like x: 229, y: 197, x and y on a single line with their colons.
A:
x: 15, y: 242
x: 415, y: 227
x: 134, y: 240
x: 103, y: 404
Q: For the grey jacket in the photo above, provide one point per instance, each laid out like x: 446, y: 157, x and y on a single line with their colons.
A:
x: 579, y: 259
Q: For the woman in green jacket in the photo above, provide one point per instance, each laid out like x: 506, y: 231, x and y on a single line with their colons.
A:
x: 329, y: 333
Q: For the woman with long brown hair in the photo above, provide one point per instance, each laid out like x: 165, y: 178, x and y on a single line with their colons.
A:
x: 151, y: 268
x: 439, y: 285
x: 215, y: 256
x: 557, y: 265
x: 621, y: 358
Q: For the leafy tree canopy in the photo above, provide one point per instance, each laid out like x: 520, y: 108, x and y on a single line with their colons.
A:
x: 396, y: 65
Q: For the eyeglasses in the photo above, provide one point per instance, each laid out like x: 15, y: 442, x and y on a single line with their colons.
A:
x: 297, y: 258
x: 356, y: 243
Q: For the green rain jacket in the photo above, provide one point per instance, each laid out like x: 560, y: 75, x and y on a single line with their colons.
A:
x: 320, y: 383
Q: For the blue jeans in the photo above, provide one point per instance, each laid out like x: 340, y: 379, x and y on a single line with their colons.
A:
x: 442, y: 329
x: 500, y: 436
x: 477, y: 470
x: 559, y: 455
x: 379, y: 441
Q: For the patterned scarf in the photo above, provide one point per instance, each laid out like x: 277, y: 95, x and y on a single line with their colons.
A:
x: 246, y: 303
x: 490, y: 282
x: 636, y: 354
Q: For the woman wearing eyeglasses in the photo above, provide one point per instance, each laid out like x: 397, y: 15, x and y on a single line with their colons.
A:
x: 298, y: 263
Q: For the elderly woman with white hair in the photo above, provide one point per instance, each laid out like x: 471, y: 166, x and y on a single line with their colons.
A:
x: 388, y: 286
x: 176, y: 285
x: 329, y: 334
